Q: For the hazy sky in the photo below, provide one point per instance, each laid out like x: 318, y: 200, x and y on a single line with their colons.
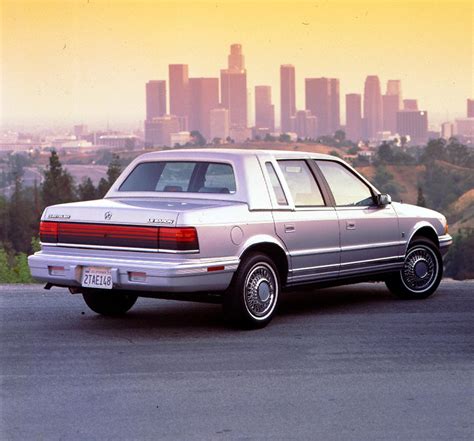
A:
x: 88, y: 60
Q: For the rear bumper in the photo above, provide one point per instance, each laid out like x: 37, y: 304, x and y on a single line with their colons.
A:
x: 187, y: 275
x: 445, y: 242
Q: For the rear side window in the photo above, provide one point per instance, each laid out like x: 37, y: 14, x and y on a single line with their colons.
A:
x: 301, y: 182
x: 181, y: 176
x: 276, y: 184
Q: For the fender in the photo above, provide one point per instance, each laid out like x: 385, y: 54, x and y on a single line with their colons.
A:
x: 261, y: 239
x: 417, y: 227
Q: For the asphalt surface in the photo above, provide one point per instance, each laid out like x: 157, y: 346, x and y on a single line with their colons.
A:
x: 350, y: 363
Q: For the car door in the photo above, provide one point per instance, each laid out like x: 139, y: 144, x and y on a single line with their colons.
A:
x: 304, y: 221
x: 370, y: 236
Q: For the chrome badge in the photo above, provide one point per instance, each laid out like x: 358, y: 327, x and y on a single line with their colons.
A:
x: 108, y: 215
x: 59, y: 216
x: 161, y: 221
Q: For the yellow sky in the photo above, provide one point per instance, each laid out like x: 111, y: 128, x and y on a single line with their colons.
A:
x: 87, y: 61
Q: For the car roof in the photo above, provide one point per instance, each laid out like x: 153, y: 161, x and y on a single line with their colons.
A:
x: 224, y: 153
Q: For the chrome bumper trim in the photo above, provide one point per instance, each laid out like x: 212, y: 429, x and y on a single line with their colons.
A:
x: 185, y: 275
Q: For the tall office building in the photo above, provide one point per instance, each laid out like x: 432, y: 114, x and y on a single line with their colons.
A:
x: 391, y: 104
x: 234, y: 87
x: 236, y: 60
x: 219, y: 119
x: 470, y: 108
x: 447, y: 130
x: 179, y: 91
x: 287, y: 96
x: 410, y: 104
x: 394, y: 87
x: 413, y: 123
x: 264, y: 109
x: 155, y: 99
x: 322, y: 99
x: 203, y: 97
x: 305, y: 125
x: 353, y: 117
x: 335, y: 112
x: 372, y: 106
x: 158, y: 130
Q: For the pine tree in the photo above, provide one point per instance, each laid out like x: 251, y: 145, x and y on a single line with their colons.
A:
x: 420, y: 200
x: 86, y: 190
x: 113, y: 172
x: 58, y: 185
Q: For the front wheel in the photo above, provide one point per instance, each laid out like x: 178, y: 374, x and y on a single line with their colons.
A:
x: 109, y: 302
x: 251, y: 300
x: 421, y: 273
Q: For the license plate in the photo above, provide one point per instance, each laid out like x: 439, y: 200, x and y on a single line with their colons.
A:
x: 95, y: 277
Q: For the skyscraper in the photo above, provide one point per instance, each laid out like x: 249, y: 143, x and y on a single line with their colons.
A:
x: 306, y: 125
x: 234, y: 87
x: 394, y: 87
x: 155, y: 99
x: 372, y: 106
x: 158, y: 130
x: 335, y: 113
x: 179, y: 90
x: 322, y: 99
x: 470, y: 108
x: 204, y: 96
x: 287, y: 96
x: 219, y: 119
x: 410, y: 104
x: 353, y: 117
x: 413, y: 123
x: 236, y: 60
x: 390, y: 109
x: 391, y: 104
x: 264, y: 109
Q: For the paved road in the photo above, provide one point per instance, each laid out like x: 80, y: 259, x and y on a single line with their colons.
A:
x: 348, y: 363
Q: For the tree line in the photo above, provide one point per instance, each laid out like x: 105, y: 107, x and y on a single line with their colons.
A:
x: 20, y: 214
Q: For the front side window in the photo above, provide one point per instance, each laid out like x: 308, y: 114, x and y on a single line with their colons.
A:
x: 346, y: 188
x: 181, y: 176
x: 301, y: 182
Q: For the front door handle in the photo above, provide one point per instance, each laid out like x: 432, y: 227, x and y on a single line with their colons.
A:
x: 350, y: 225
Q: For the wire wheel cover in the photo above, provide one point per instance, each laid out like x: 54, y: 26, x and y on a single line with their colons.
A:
x: 260, y: 290
x: 420, y: 269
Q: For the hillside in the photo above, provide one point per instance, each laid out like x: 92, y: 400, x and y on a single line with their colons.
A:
x: 462, y: 212
x: 406, y: 176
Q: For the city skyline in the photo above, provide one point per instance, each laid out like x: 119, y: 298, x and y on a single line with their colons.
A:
x: 78, y: 62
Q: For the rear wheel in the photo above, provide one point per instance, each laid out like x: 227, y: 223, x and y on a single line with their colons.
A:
x: 421, y: 273
x: 251, y: 300
x: 109, y: 302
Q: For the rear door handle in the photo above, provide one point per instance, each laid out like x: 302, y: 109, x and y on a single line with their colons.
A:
x: 289, y: 228
x: 350, y: 225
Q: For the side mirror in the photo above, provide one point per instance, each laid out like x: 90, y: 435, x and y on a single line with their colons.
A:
x: 383, y: 199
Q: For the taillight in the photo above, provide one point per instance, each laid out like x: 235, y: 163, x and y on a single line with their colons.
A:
x: 48, y: 232
x: 102, y: 235
x: 178, y: 239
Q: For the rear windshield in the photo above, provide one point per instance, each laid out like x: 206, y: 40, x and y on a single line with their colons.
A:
x: 181, y: 176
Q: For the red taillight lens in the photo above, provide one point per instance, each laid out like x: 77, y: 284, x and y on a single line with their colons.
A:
x: 48, y: 232
x: 161, y: 238
x: 178, y: 239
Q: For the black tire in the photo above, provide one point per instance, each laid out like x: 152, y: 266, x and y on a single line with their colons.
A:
x: 421, y: 273
x: 111, y: 303
x: 252, y: 298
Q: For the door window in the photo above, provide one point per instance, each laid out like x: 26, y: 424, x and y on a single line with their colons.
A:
x: 301, y: 182
x: 346, y: 187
